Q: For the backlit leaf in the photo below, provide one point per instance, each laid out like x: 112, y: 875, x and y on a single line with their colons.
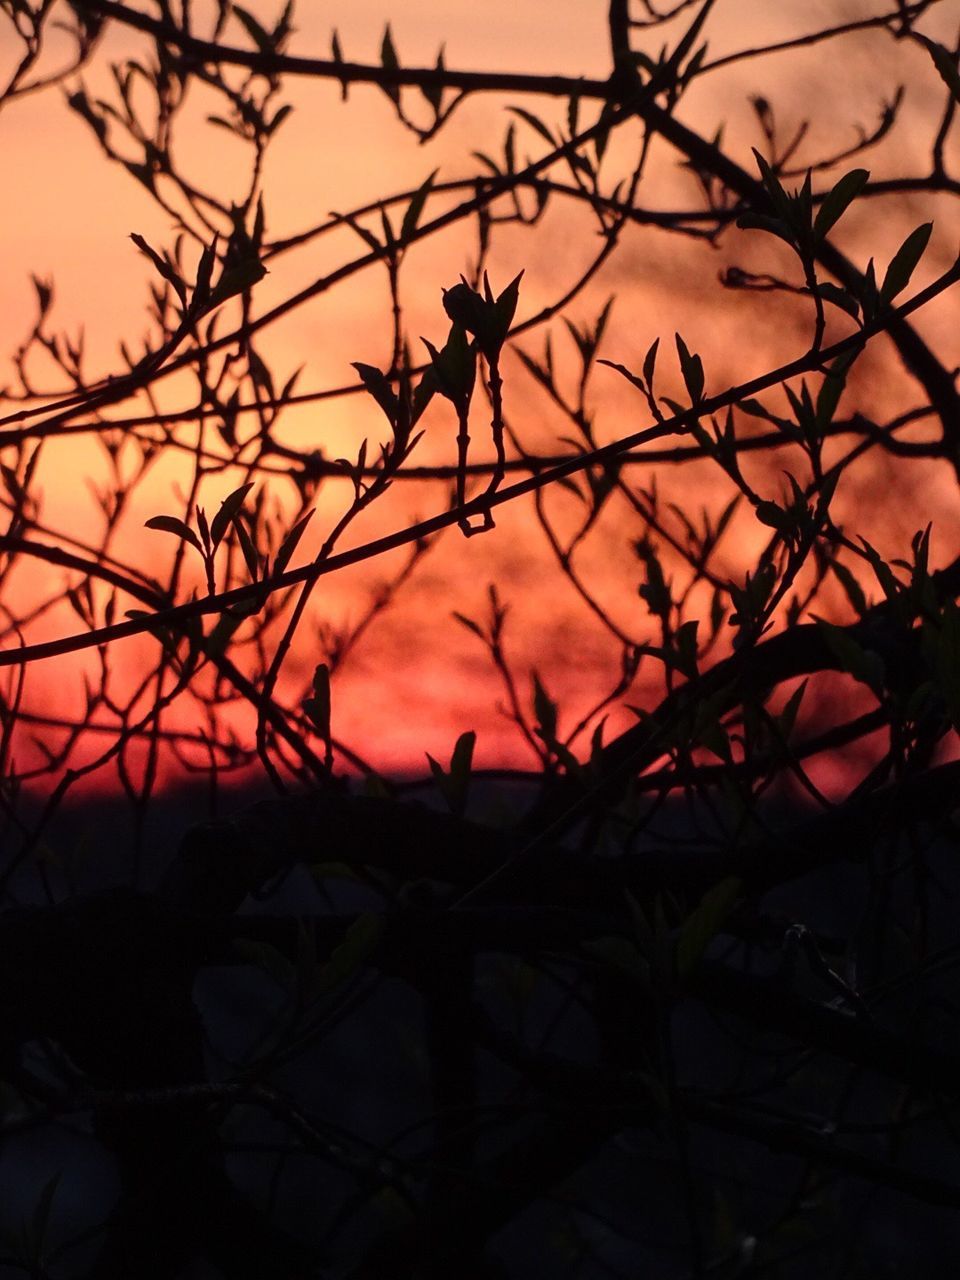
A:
x: 170, y: 524
x: 704, y: 922
x: 946, y: 64
x: 838, y: 200
x: 905, y: 261
x: 415, y: 208
x: 228, y: 509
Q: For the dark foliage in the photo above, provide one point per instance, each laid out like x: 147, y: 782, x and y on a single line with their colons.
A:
x: 666, y: 1004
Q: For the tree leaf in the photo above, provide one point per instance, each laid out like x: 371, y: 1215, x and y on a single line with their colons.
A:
x: 545, y: 709
x: 905, y: 261
x: 163, y: 266
x: 362, y: 232
x: 650, y: 364
x: 573, y: 114
x: 81, y: 104
x: 453, y: 784
x: 763, y: 222
x: 279, y: 117
x: 425, y: 391
x: 228, y: 509
x: 390, y: 62
x: 237, y: 278
x: 337, y: 53
x: 469, y: 624
x: 864, y: 665
x: 317, y: 706
x: 359, y: 943
x: 691, y: 366
x: 839, y: 298
x: 779, y: 197
x: 838, y: 200
x: 40, y: 1220
x: 247, y: 550
x: 257, y: 34
x: 171, y: 524
x: 415, y: 208
x: 506, y: 306
x: 289, y: 544
x: 704, y: 922
x: 455, y: 367
x: 615, y: 952
x: 831, y: 389
x: 434, y: 92
x: 263, y: 955
x: 534, y: 123
x: 851, y: 587
x: 946, y: 64
x: 378, y: 384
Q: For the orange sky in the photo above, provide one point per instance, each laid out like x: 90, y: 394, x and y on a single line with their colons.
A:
x: 419, y: 678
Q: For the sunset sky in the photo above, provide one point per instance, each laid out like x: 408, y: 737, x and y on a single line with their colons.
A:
x: 418, y: 678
